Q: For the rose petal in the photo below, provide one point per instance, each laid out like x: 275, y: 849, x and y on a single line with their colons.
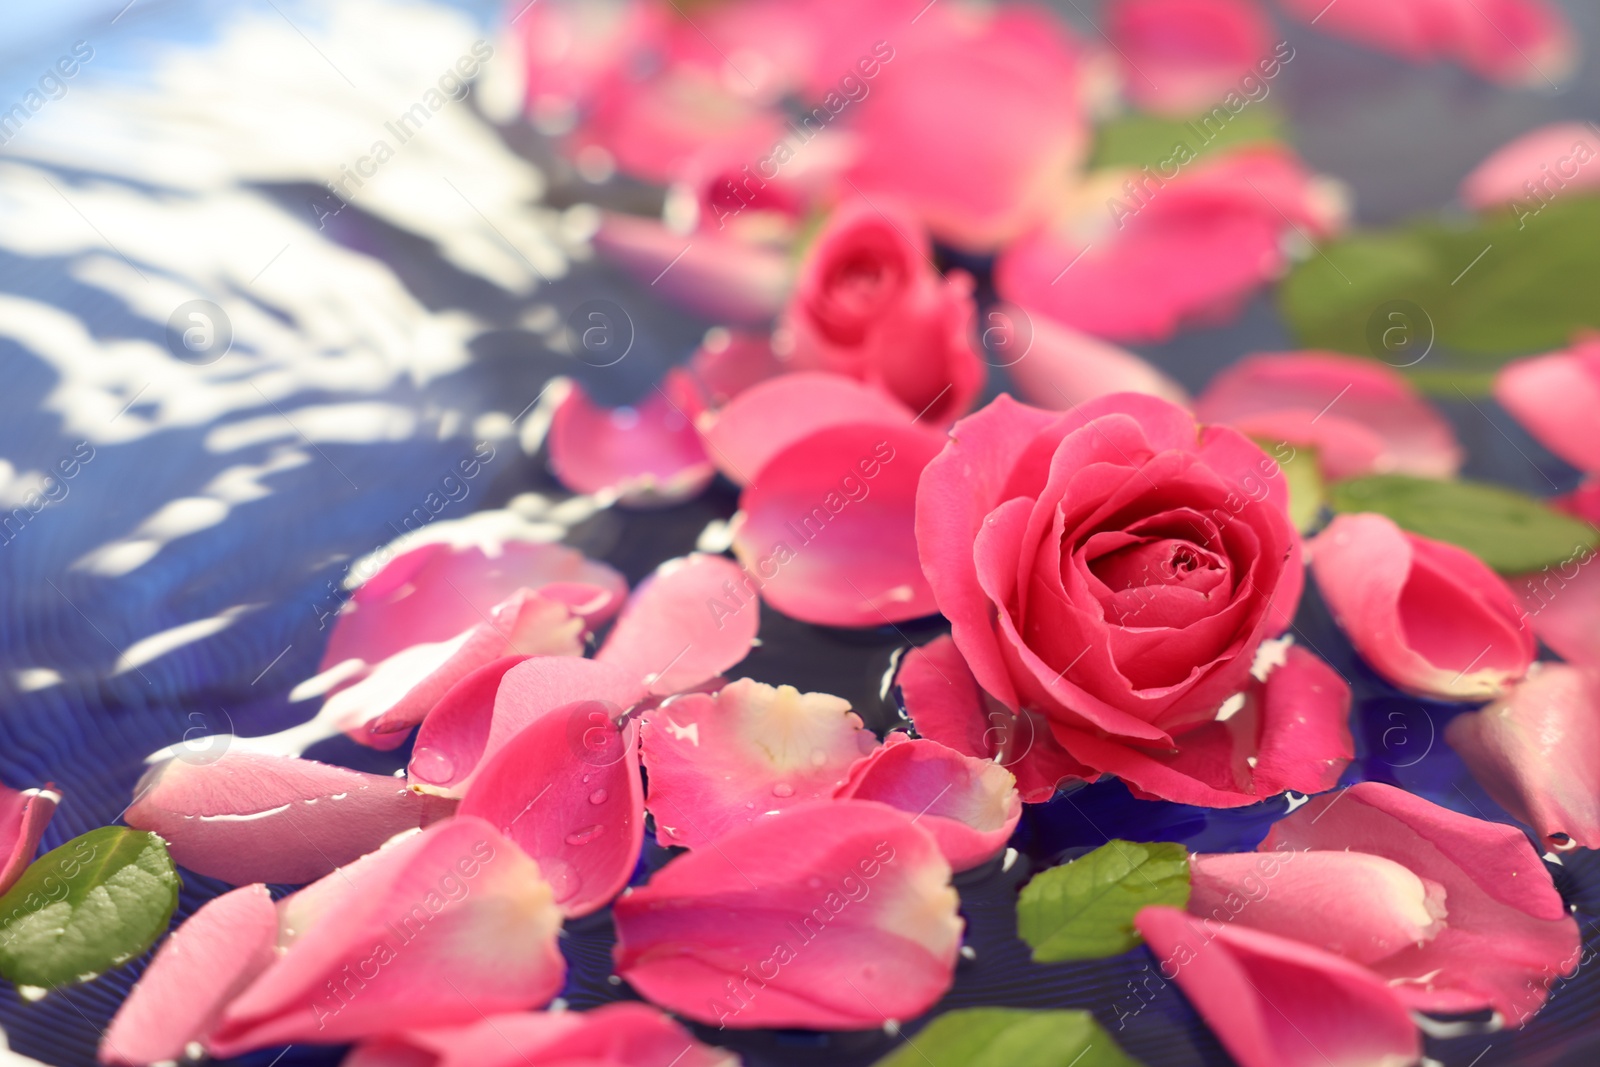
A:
x: 1355, y: 905
x: 1518, y: 42
x: 671, y: 634
x: 578, y: 812
x: 441, y: 928
x: 1506, y: 931
x: 718, y: 278
x: 1429, y: 617
x: 719, y: 762
x: 1191, y: 250
x: 24, y: 814
x: 1537, y: 751
x: 771, y: 417
x: 1290, y: 732
x: 404, y: 688
x: 835, y: 915
x: 200, y: 968
x: 1062, y: 367
x: 1555, y: 397
x: 249, y: 817
x: 644, y: 456
x: 1003, y: 99
x: 729, y: 362
x: 613, y: 1035
x: 944, y: 702
x: 1183, y: 56
x: 1360, y: 416
x: 1560, y: 151
x: 969, y: 805
x: 1274, y: 1002
x: 828, y: 536
x: 436, y: 591
x: 451, y: 748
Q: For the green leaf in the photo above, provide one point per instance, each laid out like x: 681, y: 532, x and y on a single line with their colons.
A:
x: 94, y: 903
x: 1084, y: 910
x: 1307, y: 493
x: 1010, y: 1037
x: 1509, y: 531
x: 1507, y: 284
x: 1141, y: 140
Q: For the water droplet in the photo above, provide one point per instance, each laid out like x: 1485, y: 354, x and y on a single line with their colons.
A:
x: 598, y: 796
x: 584, y: 836
x: 432, y: 765
x: 562, y: 876
x: 783, y: 789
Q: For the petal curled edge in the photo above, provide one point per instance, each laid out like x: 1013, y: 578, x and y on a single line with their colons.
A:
x: 835, y: 915
x: 1274, y: 1002
x: 196, y: 972
x: 670, y: 633
x: 250, y: 817
x: 969, y: 805
x: 945, y: 704
x: 440, y: 929
x: 1537, y: 751
x: 576, y: 810
x: 1506, y: 936
x: 1429, y: 617
x: 24, y: 813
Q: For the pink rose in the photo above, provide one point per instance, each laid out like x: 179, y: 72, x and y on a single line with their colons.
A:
x: 1358, y: 908
x: 1109, y: 575
x: 1429, y: 617
x: 869, y: 304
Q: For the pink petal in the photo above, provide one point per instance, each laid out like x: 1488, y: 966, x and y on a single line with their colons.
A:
x: 1537, y: 751
x: 946, y: 705
x: 389, y: 1052
x: 1525, y: 172
x: 828, y: 536
x: 719, y: 278
x: 1062, y: 367
x: 1290, y: 732
x: 404, y: 688
x: 436, y: 591
x: 589, y: 696
x: 729, y: 362
x: 835, y: 915
x: 720, y: 762
x: 1562, y: 603
x: 773, y: 416
x: 1185, y: 56
x: 969, y: 805
x: 1360, y: 416
x: 1429, y: 617
x: 444, y: 927
x: 1189, y: 251
x: 1353, y: 904
x: 958, y: 490
x: 1002, y: 98
x: 1506, y: 931
x: 1274, y: 1002
x: 1555, y: 397
x: 672, y: 635
x: 627, y: 1034
x: 24, y: 814
x: 1518, y: 42
x: 645, y: 456
x: 579, y: 814
x: 200, y: 968
x: 248, y: 817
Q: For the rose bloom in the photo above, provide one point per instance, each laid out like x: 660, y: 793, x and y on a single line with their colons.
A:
x: 1109, y: 574
x: 869, y: 304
